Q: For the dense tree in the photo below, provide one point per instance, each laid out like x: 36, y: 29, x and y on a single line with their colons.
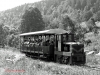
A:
x: 79, y: 35
x: 87, y: 15
x: 73, y: 2
x: 83, y: 3
x: 97, y: 16
x: 54, y: 23
x: 3, y: 34
x: 50, y: 10
x: 93, y: 2
x: 68, y: 23
x: 78, y: 4
x: 89, y: 3
x: 92, y: 26
x: 13, y: 40
x: 32, y: 20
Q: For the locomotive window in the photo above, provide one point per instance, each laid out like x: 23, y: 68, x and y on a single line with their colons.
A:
x: 70, y: 38
x: 64, y: 38
x: 66, y: 48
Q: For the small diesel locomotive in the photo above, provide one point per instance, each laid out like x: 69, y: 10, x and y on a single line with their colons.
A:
x: 54, y: 44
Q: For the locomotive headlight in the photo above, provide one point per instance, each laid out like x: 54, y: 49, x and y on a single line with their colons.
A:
x: 72, y: 54
x: 78, y: 43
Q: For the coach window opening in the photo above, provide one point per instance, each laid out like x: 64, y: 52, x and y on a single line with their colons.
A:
x: 25, y: 38
x: 25, y: 42
x: 32, y: 37
x: 35, y: 39
x: 65, y: 37
x: 40, y: 39
x: 52, y: 39
x: 70, y: 37
x: 47, y: 40
x: 43, y: 40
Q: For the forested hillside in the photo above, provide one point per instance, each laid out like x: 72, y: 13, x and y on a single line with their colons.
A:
x: 79, y: 16
x: 77, y: 10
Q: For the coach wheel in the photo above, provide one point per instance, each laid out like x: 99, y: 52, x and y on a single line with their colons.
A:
x: 65, y: 60
x: 58, y: 58
x: 27, y: 54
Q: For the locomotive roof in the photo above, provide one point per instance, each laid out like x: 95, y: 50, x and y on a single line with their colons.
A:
x: 50, y: 31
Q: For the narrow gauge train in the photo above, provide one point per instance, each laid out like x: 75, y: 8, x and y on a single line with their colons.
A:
x: 54, y: 44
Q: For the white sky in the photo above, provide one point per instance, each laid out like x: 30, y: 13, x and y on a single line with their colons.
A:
x: 8, y: 4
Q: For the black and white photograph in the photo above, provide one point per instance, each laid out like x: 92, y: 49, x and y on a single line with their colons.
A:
x: 49, y: 37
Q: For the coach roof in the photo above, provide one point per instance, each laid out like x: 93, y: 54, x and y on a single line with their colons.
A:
x: 50, y: 31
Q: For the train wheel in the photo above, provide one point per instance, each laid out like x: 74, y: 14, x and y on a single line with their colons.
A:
x: 65, y: 60
x: 50, y: 58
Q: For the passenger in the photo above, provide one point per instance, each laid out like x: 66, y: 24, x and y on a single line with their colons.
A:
x: 47, y: 42
x: 51, y: 42
x: 36, y: 42
x: 39, y: 41
x: 43, y: 42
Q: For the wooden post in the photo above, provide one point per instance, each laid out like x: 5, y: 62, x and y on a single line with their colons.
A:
x: 20, y: 44
x: 71, y: 55
x: 38, y: 47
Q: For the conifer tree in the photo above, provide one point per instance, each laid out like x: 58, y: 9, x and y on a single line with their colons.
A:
x: 32, y: 20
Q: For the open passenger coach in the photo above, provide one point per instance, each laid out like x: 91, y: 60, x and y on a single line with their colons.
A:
x: 55, y: 44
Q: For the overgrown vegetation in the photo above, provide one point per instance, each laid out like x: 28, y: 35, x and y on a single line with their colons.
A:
x: 30, y: 66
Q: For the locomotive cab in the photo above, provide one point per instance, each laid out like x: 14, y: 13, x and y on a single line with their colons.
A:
x: 69, y: 51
